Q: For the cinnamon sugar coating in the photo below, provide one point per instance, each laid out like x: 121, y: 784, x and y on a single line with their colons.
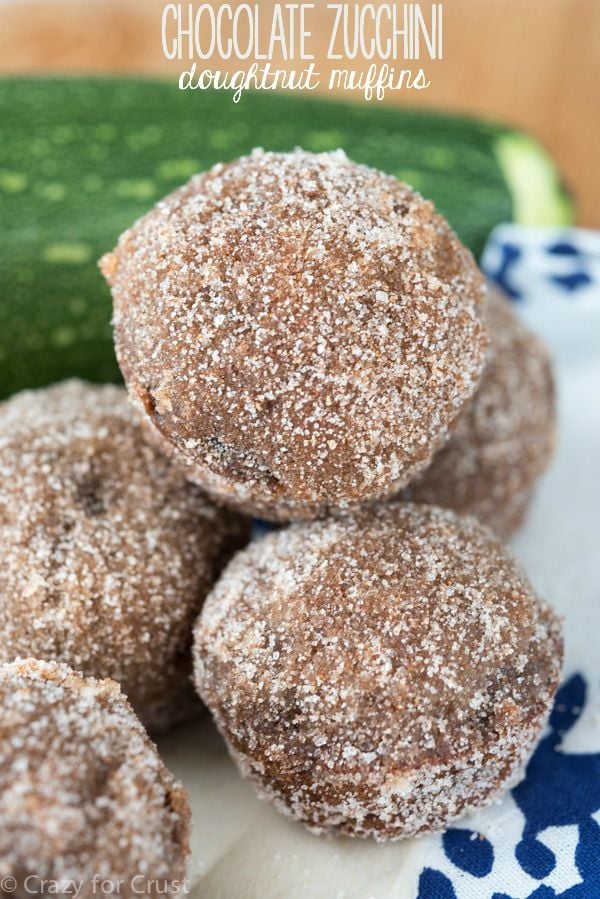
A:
x: 301, y: 331
x: 503, y: 441
x: 107, y: 551
x: 380, y: 674
x: 83, y: 792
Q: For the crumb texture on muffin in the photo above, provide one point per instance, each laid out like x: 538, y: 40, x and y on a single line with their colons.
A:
x: 83, y: 792
x: 503, y: 441
x: 378, y: 675
x: 301, y: 330
x: 107, y: 550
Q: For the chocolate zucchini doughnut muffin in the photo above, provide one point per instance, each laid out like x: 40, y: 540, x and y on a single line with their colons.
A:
x: 302, y: 331
x: 83, y: 792
x: 380, y: 674
x: 503, y: 442
x: 107, y: 551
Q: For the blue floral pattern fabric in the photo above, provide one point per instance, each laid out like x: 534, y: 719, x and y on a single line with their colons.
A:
x: 542, y: 840
x: 559, y: 789
x: 521, y: 259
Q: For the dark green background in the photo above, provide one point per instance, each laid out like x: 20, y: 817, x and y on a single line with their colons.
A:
x: 81, y: 159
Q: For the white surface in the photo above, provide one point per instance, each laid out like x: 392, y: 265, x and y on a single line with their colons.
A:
x: 243, y: 849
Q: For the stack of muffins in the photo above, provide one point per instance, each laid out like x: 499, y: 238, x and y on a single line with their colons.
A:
x: 306, y: 341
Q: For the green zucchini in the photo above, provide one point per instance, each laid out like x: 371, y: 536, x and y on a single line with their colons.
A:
x: 81, y: 159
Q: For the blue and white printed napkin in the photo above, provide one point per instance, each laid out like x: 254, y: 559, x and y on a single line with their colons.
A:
x: 543, y: 839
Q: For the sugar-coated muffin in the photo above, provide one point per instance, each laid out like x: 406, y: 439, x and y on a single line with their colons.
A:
x: 378, y: 675
x: 84, y: 795
x: 503, y: 441
x: 107, y: 550
x: 301, y: 331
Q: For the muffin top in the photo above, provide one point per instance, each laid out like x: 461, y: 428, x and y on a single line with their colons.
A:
x: 356, y: 655
x: 82, y: 789
x: 504, y: 439
x: 301, y: 329
x: 107, y: 550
